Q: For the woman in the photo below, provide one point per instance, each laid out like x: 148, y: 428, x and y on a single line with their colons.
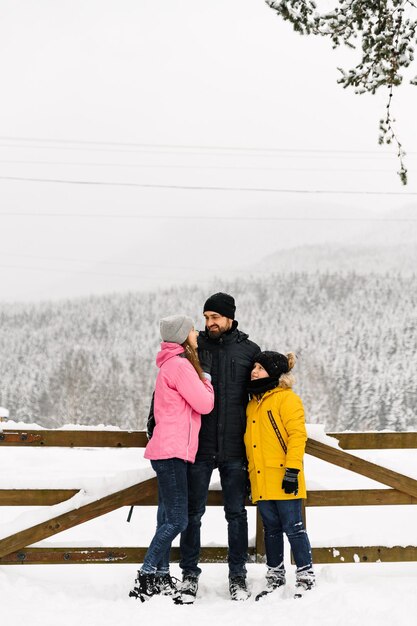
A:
x: 183, y: 392
x: 275, y: 441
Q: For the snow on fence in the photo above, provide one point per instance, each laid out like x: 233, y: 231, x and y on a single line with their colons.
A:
x: 77, y: 510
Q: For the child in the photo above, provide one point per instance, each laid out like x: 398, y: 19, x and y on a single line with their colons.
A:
x: 275, y: 441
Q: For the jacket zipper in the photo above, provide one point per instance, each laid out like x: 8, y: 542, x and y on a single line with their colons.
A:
x: 189, y: 434
x: 277, y: 431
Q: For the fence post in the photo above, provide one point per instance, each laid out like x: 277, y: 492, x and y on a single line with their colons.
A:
x: 259, y: 538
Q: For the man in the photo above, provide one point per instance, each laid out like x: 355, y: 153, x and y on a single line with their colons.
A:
x: 221, y: 445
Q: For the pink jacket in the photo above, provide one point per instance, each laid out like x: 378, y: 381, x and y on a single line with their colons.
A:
x: 180, y: 399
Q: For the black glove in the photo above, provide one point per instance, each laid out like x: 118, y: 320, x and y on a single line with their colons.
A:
x: 206, y: 359
x: 290, y: 482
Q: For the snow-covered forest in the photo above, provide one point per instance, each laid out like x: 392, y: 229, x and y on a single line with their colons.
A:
x: 91, y: 361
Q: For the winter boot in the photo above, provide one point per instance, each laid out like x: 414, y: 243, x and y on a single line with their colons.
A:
x: 166, y: 584
x: 304, y: 581
x: 275, y: 578
x: 238, y: 589
x: 145, y: 587
x: 187, y: 592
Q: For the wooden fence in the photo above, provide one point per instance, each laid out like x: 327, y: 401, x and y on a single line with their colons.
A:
x: 14, y: 549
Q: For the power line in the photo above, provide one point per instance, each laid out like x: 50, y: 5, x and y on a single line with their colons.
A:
x: 100, y: 262
x: 228, y: 218
x: 225, y: 151
x: 181, y: 147
x: 56, y: 270
x: 68, y: 271
x: 294, y: 155
x: 205, y: 188
x: 197, y: 167
x: 48, y: 270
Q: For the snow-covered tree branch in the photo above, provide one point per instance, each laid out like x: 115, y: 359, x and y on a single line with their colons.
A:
x: 383, y: 31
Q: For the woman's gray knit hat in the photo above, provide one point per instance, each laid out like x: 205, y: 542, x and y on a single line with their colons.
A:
x: 175, y: 328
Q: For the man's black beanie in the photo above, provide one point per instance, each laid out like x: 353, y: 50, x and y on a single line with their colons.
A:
x: 221, y: 303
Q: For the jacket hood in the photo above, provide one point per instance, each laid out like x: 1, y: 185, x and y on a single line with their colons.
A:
x: 167, y: 351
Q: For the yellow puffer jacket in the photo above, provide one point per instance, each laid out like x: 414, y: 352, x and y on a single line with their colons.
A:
x: 269, y: 454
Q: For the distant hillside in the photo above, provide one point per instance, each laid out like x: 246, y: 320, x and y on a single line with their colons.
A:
x: 91, y: 361
x: 379, y: 259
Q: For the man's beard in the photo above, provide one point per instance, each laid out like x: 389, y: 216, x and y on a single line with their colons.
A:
x: 215, y: 334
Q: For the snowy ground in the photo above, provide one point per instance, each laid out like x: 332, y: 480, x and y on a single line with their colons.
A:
x: 354, y: 594
x: 347, y: 594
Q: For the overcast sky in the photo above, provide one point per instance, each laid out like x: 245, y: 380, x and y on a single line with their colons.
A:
x: 138, y: 139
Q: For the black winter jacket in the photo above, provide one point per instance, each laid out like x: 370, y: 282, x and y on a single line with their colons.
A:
x: 222, y: 430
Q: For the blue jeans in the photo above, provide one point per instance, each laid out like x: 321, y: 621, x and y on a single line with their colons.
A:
x: 284, y: 516
x: 233, y: 477
x: 163, y: 565
x: 172, y: 515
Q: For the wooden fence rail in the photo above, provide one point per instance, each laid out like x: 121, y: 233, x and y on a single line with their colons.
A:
x: 137, y: 439
x: 14, y: 549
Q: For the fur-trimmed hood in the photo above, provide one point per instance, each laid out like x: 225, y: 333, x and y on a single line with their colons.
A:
x: 286, y: 381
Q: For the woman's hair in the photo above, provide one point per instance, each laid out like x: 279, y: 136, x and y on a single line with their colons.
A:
x: 191, y: 354
x: 287, y: 380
